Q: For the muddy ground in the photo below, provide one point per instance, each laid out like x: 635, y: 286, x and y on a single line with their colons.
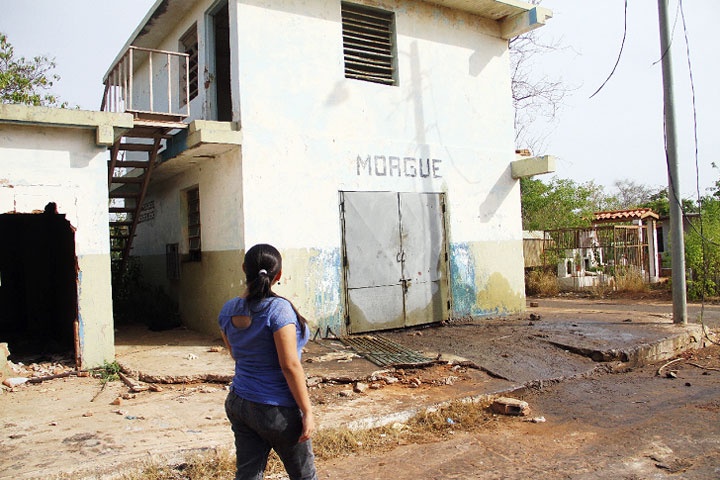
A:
x: 601, y: 422
x: 633, y: 424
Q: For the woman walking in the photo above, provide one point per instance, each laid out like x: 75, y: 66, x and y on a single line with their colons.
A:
x: 268, y: 404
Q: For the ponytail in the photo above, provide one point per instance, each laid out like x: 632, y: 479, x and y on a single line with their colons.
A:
x: 262, y: 264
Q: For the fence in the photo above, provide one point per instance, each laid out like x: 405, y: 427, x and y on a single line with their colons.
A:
x: 601, y: 248
x: 147, y: 81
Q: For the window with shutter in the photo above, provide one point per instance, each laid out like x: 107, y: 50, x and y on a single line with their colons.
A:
x: 369, y: 44
x: 193, y: 211
x: 189, y: 79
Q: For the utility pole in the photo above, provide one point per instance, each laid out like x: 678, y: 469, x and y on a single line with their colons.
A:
x: 677, y: 242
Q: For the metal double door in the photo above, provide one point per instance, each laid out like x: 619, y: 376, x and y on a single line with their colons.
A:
x: 395, y: 259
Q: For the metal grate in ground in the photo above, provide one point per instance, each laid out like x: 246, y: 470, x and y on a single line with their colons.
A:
x: 382, y: 351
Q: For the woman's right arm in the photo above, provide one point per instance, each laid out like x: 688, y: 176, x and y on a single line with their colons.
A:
x: 227, y: 345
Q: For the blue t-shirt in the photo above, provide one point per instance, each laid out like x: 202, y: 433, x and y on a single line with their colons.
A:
x: 258, y: 376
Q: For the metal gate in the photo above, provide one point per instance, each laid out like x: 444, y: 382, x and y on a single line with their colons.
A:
x: 613, y: 246
x: 395, y: 259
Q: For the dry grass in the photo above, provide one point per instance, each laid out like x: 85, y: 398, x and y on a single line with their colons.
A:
x: 630, y: 280
x: 542, y: 283
x: 328, y: 444
x: 604, y: 287
x: 215, y: 464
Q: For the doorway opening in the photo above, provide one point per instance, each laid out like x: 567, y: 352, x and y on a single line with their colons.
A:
x: 38, y: 285
x: 219, y: 61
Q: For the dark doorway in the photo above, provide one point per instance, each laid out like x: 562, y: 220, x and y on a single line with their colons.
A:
x: 38, y: 284
x: 221, y: 45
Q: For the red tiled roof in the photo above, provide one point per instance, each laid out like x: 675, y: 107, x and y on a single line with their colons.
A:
x: 624, y: 215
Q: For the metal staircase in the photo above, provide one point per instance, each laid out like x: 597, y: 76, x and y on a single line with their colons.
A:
x: 156, y: 115
x: 132, y: 161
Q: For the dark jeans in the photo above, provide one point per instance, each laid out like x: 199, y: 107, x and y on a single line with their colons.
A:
x: 259, y: 428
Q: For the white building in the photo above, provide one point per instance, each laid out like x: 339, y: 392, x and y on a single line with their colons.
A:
x: 371, y: 141
x: 55, y: 291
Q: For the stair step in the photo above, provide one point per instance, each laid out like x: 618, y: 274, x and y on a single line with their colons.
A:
x: 128, y: 179
x: 119, y: 194
x: 130, y: 164
x: 136, y: 147
x: 148, y: 132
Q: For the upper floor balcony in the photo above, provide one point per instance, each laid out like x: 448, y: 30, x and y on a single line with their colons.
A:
x: 154, y: 85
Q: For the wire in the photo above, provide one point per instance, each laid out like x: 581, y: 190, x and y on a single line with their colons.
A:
x: 617, y: 62
x: 672, y: 35
x: 703, y: 240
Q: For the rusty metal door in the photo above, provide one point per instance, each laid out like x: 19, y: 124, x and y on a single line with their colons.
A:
x: 395, y: 259
x: 424, y: 257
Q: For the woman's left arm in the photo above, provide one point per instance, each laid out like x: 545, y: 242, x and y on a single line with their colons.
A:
x: 286, y: 344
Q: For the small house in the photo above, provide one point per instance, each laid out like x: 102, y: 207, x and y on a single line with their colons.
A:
x: 55, y: 280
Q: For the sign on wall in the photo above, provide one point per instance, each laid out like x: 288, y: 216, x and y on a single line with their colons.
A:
x: 395, y: 166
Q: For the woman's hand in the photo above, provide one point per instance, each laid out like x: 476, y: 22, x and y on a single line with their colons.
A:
x: 308, y: 427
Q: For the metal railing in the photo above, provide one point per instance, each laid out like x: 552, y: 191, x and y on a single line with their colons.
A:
x: 139, y: 80
x: 612, y: 246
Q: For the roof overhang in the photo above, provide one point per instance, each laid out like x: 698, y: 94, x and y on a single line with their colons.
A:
x: 108, y: 126
x: 531, y: 166
x: 617, y: 216
x: 513, y: 17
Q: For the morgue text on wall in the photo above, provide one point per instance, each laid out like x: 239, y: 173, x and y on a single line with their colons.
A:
x: 393, y: 166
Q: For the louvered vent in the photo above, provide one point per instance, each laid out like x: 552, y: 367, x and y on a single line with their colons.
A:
x: 368, y: 43
x: 189, y: 78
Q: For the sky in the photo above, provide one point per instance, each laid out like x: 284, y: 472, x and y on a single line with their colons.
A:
x: 618, y: 133
x: 615, y: 135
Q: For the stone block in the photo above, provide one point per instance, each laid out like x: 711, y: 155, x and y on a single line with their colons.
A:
x: 510, y: 406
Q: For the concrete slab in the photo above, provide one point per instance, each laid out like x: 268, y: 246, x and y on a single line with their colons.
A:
x: 549, y: 343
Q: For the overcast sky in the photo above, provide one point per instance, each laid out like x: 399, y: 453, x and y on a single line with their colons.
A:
x: 616, y: 135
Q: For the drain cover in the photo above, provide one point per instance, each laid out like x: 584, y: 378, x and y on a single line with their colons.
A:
x: 383, y: 352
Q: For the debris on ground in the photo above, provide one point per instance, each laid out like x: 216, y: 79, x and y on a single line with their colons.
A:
x: 510, y: 406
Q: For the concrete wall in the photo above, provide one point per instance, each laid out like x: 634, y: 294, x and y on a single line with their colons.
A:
x: 308, y: 133
x: 201, y: 107
x: 46, y: 160
x: 204, y: 285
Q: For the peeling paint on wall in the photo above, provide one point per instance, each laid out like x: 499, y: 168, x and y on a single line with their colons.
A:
x: 324, y: 276
x: 498, y: 297
x: 312, y: 280
x: 477, y: 287
x: 462, y: 279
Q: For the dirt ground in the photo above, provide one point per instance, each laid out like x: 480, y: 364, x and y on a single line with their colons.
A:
x: 614, y: 422
x: 70, y: 428
x: 631, y: 425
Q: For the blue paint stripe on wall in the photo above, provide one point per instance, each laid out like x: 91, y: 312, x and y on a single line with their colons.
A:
x: 462, y: 279
x: 328, y: 291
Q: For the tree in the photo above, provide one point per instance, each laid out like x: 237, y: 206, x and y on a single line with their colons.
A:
x: 659, y: 202
x: 561, y: 203
x: 25, y: 81
x: 716, y: 192
x: 702, y: 251
x: 702, y: 247
x: 633, y: 195
x: 533, y: 96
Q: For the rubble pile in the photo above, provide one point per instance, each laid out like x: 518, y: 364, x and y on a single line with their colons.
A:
x: 19, y: 373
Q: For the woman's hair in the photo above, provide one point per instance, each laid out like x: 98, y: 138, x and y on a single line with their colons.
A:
x: 262, y: 264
